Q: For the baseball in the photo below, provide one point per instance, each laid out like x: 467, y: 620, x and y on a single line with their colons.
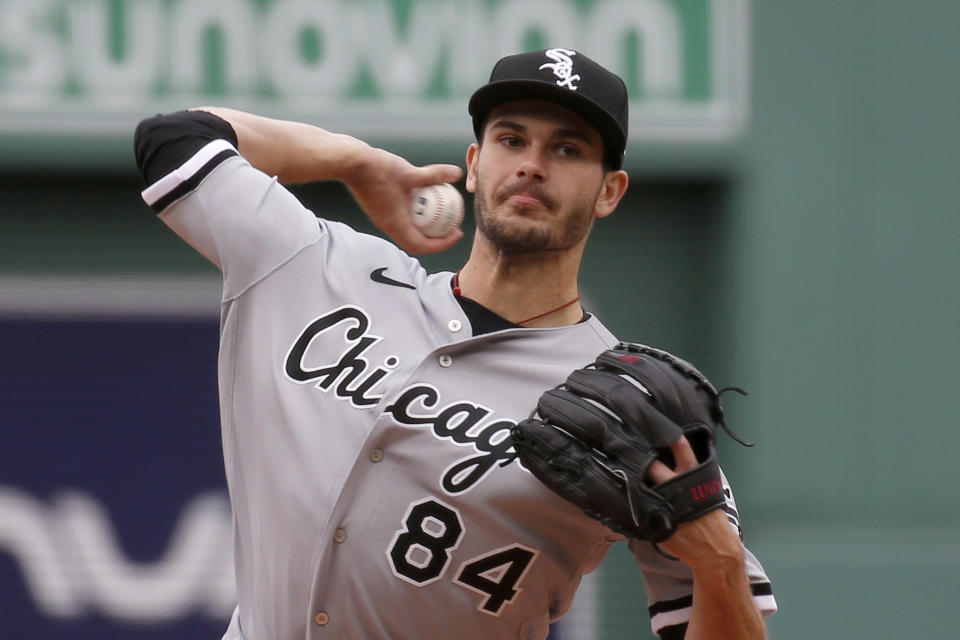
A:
x: 437, y: 210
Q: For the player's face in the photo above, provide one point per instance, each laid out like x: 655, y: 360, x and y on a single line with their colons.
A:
x: 537, y: 177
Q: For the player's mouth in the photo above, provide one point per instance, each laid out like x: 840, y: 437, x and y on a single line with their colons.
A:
x: 526, y: 200
x: 527, y: 196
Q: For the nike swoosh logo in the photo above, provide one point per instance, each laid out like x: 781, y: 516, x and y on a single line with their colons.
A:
x: 377, y: 276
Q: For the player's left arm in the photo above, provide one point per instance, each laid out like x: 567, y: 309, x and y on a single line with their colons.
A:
x: 629, y: 438
x: 723, y: 604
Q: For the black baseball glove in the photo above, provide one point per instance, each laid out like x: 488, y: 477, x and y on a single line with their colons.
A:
x: 592, y: 440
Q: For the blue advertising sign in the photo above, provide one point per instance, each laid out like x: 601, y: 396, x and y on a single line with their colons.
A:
x: 114, y: 520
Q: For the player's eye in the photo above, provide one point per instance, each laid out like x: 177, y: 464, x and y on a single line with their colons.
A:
x: 510, y: 140
x: 567, y: 150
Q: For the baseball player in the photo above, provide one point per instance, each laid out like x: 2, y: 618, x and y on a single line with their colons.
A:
x: 366, y: 404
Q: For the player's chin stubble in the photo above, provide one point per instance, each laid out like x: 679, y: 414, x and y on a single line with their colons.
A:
x: 510, y: 235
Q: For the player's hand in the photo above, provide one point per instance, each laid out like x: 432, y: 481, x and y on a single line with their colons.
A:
x: 707, y: 542
x: 685, y: 459
x: 383, y: 186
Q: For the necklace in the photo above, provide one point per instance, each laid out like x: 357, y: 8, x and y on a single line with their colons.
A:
x: 456, y: 292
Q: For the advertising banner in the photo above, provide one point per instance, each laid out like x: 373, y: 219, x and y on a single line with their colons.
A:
x: 76, y: 75
x: 114, y: 518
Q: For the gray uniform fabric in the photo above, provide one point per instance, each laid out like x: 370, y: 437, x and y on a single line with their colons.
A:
x: 373, y: 492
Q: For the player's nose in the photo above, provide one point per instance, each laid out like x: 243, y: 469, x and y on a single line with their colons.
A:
x: 532, y: 165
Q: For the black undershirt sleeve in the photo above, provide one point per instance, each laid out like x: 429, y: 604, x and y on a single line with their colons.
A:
x: 164, y: 142
x: 674, y: 632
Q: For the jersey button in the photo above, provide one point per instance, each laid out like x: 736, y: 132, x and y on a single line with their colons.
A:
x: 376, y: 455
x: 445, y: 360
x: 340, y: 535
x: 455, y: 325
x: 321, y: 618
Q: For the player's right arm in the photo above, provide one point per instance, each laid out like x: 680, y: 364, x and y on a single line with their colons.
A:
x: 237, y: 217
x: 380, y: 182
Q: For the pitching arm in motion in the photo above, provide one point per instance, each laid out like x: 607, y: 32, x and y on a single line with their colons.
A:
x: 381, y: 182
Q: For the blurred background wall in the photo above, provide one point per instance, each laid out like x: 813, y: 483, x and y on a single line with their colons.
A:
x: 791, y: 228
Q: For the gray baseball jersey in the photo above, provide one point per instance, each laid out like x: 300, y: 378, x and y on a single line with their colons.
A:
x: 375, y: 492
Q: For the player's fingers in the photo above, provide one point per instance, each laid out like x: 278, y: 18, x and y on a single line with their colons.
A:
x: 436, y: 174
x: 659, y: 472
x: 684, y: 458
x: 683, y: 453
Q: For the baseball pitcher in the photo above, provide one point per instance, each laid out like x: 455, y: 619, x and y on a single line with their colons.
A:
x: 374, y: 415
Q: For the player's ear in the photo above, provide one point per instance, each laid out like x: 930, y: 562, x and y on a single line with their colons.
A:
x: 611, y: 192
x: 473, y: 159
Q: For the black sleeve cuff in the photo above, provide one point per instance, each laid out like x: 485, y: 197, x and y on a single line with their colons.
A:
x: 673, y: 632
x: 163, y: 143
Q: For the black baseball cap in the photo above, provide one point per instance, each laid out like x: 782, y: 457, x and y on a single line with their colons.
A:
x: 565, y: 77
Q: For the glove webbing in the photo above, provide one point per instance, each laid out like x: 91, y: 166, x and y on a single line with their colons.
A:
x: 688, y: 370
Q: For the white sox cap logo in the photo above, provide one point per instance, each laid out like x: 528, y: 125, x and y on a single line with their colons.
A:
x: 562, y: 67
